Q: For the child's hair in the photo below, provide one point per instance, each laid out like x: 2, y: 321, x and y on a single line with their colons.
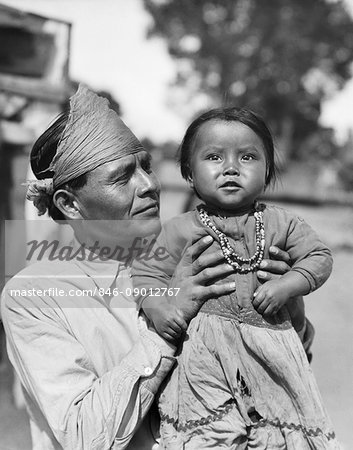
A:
x: 230, y: 114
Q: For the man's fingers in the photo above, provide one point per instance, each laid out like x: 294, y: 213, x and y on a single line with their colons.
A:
x: 278, y: 254
x: 198, y: 247
x: 272, y: 268
x: 212, y: 274
x: 205, y: 260
x: 191, y: 262
x: 266, y: 276
x: 216, y: 290
x: 211, y: 259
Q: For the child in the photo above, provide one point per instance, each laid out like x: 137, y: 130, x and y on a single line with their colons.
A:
x: 242, y: 378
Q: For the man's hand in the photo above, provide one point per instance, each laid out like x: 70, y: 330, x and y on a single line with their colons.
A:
x: 196, y: 276
x: 272, y: 269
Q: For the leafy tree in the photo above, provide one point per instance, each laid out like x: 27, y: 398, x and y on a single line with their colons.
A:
x: 279, y: 57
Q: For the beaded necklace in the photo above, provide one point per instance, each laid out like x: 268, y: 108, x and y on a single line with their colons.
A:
x: 240, y: 264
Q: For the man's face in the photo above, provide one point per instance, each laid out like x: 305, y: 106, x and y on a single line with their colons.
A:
x: 125, y: 188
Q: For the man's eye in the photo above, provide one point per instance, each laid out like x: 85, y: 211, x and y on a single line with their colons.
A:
x: 124, y: 177
x: 147, y: 166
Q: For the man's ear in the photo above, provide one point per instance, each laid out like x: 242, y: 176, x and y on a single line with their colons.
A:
x: 66, y: 202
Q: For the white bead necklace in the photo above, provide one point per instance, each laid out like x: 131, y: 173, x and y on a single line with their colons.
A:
x: 240, y: 264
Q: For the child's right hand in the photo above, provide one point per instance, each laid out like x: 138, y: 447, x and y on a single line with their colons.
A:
x: 169, y: 322
x: 270, y: 297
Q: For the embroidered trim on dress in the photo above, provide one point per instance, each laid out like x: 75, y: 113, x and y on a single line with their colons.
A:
x: 227, y: 407
x: 292, y: 426
x: 189, y: 424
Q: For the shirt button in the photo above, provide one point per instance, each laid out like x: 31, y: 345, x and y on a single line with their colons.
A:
x: 148, y: 371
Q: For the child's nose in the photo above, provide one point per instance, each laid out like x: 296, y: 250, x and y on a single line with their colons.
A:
x: 231, y: 169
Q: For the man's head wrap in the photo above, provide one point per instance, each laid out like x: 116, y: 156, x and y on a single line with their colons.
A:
x: 94, y: 135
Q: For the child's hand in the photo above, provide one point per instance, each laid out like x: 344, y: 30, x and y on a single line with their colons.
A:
x: 270, y: 297
x: 168, y: 322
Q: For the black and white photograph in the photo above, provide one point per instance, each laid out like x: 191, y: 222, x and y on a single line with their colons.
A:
x: 176, y: 224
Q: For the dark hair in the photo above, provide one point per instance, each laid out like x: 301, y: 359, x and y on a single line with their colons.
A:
x: 229, y: 114
x: 42, y: 154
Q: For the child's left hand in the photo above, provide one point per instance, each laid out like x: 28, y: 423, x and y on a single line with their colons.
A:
x: 270, y: 297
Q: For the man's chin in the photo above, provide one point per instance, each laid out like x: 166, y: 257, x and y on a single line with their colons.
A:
x: 147, y: 214
x: 122, y: 231
x: 141, y: 226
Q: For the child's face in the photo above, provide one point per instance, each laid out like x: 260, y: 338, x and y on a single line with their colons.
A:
x: 228, y: 165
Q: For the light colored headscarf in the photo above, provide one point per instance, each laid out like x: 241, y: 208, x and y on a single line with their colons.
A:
x: 94, y: 135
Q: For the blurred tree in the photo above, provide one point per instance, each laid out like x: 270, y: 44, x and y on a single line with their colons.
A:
x: 278, y: 57
x: 345, y: 172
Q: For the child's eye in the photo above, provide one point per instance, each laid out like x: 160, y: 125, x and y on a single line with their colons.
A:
x: 213, y: 157
x: 248, y: 157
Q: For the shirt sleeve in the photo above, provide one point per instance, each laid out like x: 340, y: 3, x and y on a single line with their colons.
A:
x: 83, y: 410
x: 309, y: 255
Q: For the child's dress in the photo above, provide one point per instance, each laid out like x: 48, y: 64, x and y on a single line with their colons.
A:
x: 242, y: 381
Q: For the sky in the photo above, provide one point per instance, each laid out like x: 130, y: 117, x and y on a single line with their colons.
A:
x: 109, y: 51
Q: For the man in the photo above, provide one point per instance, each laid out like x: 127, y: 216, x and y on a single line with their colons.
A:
x: 89, y: 365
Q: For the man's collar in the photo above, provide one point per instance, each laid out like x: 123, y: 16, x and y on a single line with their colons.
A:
x: 103, y: 271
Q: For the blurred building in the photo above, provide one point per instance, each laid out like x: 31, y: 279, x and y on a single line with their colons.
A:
x: 34, y: 84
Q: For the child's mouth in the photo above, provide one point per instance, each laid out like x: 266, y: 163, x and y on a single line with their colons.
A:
x: 230, y: 185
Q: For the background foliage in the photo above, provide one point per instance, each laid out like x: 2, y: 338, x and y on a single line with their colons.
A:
x: 278, y: 57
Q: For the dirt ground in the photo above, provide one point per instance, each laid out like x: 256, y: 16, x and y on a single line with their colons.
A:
x: 330, y: 309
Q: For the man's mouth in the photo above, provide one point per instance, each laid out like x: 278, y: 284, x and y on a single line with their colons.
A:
x: 150, y: 207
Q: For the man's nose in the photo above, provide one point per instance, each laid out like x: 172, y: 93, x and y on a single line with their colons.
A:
x: 148, y: 183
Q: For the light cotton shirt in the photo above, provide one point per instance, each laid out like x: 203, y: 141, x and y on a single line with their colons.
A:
x: 88, y: 364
